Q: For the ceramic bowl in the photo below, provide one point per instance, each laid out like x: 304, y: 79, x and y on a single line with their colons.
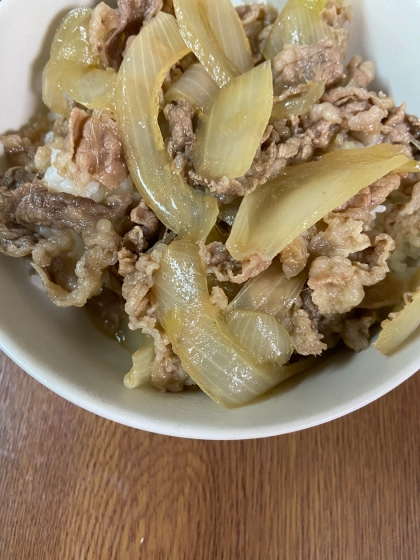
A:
x: 63, y: 351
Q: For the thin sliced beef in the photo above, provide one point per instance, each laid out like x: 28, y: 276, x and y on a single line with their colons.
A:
x: 110, y: 29
x: 92, y: 150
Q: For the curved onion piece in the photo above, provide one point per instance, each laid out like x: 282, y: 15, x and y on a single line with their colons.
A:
x: 396, y: 330
x: 298, y: 104
x: 180, y: 280
x: 70, y: 59
x: 91, y: 87
x: 52, y: 89
x: 296, y: 25
x: 214, y: 32
x: 243, y: 108
x: 261, y: 334
x: 297, y: 198
x: 142, y: 364
x: 224, y: 370
x: 412, y: 166
x: 230, y: 375
x: 270, y: 291
x: 195, y: 85
x: 229, y: 33
x: 186, y: 211
x: 71, y: 41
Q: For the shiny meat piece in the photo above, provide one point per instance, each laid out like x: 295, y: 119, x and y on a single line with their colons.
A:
x: 305, y: 338
x: 167, y: 371
x: 361, y: 71
x: 257, y: 20
x: 343, y: 236
x: 61, y: 211
x: 101, y: 251
x: 219, y: 262
x: 300, y: 63
x: 146, y: 219
x: 15, y: 177
x: 17, y: 242
x: 336, y: 16
x: 337, y: 282
x: 404, y: 218
x: 15, y: 239
x: 93, y: 144
x: 21, y: 147
x: 110, y: 29
x: 179, y: 116
x: 138, y: 283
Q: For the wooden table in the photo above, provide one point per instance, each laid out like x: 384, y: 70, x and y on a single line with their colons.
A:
x: 75, y: 486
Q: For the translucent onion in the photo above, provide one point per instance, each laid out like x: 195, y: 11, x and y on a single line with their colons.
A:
x: 229, y: 33
x: 142, y: 365
x: 180, y: 280
x: 261, y: 334
x: 224, y: 370
x: 195, y: 85
x: 280, y: 210
x: 52, y: 89
x: 395, y: 331
x: 188, y: 212
x: 270, y: 291
x: 214, y: 32
x: 71, y: 69
x: 296, y: 25
x: 91, y: 87
x: 211, y: 354
x: 298, y: 104
x: 71, y: 40
x: 412, y: 166
x: 242, y: 108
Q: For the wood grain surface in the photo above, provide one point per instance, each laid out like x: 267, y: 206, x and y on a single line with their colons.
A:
x: 76, y: 486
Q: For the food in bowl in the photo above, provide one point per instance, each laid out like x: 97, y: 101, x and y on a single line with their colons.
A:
x: 221, y: 184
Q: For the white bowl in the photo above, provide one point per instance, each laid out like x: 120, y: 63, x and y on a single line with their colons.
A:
x: 60, y: 347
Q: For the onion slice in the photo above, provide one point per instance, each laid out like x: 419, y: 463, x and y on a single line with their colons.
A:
x: 270, y: 291
x: 195, y: 85
x: 243, y: 109
x: 298, y: 23
x: 261, y: 334
x: 222, y: 368
x: 299, y: 104
x: 412, y: 166
x: 180, y: 280
x: 214, y: 32
x: 396, y: 330
x: 142, y: 365
x: 71, y: 40
x: 72, y: 69
x: 91, y: 87
x: 210, y: 352
x: 297, y: 198
x: 186, y: 211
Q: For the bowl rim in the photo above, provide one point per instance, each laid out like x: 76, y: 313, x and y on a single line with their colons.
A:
x: 92, y: 403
